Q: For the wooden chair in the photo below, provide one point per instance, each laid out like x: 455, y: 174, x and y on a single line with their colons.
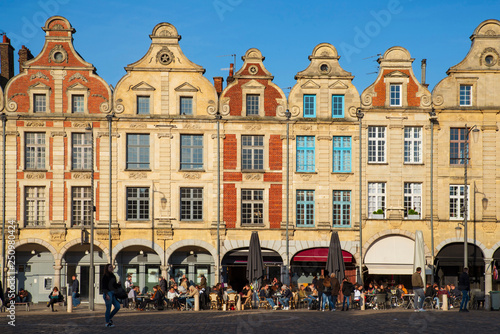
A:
x: 231, y: 300
x: 214, y: 301
x: 263, y: 303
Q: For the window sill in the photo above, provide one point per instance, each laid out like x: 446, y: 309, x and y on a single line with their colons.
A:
x: 192, y: 170
x: 35, y: 170
x: 81, y: 170
x: 378, y: 163
x: 191, y: 221
x: 137, y: 170
x: 349, y: 173
x: 253, y: 171
x: 249, y: 226
x: 414, y: 163
x: 297, y: 172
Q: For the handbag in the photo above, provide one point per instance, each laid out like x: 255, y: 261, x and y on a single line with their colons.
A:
x: 120, y: 293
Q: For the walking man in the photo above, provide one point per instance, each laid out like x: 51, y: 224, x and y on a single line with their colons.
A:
x: 464, y: 286
x: 75, y: 292
x: 418, y: 289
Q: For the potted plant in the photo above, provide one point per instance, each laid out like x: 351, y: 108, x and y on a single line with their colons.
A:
x: 378, y: 214
x: 412, y: 214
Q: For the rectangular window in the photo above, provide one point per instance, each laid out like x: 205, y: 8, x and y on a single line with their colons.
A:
x: 252, y: 152
x: 465, y: 95
x: 186, y: 107
x: 39, y: 101
x: 252, y: 104
x: 457, y: 146
x: 376, y: 144
x: 82, y: 151
x: 305, y: 154
x: 77, y: 103
x: 35, y: 206
x: 137, y: 203
x: 137, y: 151
x: 341, y: 208
x: 35, y: 150
x: 341, y: 154
x: 191, y: 152
x: 395, y: 98
x: 309, y: 105
x: 81, y: 206
x: 143, y: 105
x: 305, y: 208
x: 192, y: 204
x: 252, y: 206
x: 457, y: 200
x: 376, y: 198
x: 337, y: 106
x: 413, y: 198
x: 413, y: 144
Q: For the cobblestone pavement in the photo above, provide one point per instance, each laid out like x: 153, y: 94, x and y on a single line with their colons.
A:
x: 41, y: 320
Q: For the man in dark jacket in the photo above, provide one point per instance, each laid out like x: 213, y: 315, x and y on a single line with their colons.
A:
x: 418, y: 289
x: 464, y: 286
x: 347, y: 289
x: 335, y: 291
x: 320, y: 287
x: 75, y: 291
x: 163, y: 285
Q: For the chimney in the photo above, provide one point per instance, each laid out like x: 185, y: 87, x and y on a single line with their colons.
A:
x: 24, y: 56
x: 230, y: 78
x: 424, y: 66
x: 218, y: 84
x: 6, y: 61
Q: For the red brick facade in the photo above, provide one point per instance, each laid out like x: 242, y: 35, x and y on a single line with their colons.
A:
x: 275, y: 205
x: 230, y: 205
x: 230, y: 155
x: 275, y: 153
x: 380, y: 90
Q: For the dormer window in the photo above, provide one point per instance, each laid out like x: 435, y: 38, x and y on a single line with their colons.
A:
x: 143, y: 105
x: 186, y: 105
x: 77, y: 103
x: 395, y: 95
x: 465, y: 95
x: 40, y: 103
x: 252, y: 104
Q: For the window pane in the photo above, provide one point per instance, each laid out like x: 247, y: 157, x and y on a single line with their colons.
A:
x: 252, y: 206
x: 143, y: 105
x: 309, y: 105
x: 191, y: 204
x: 138, y: 151
x: 77, y: 102
x: 376, y: 144
x: 341, y: 154
x: 465, y: 95
x: 395, y: 98
x: 337, y: 105
x: 305, y: 208
x: 192, y: 152
x: 35, y: 150
x: 137, y: 203
x: 341, y: 208
x: 186, y: 105
x: 34, y: 206
x: 81, y: 206
x: 305, y: 154
x: 82, y: 151
x: 252, y: 104
x: 252, y: 152
x: 39, y: 101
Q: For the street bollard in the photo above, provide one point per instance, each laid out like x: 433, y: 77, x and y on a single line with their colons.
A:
x: 362, y: 301
x: 445, y: 302
x: 197, y: 302
x: 69, y: 301
x: 238, y: 304
x: 487, y: 303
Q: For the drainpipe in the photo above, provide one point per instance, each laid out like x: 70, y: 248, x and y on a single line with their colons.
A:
x: 4, y: 121
x: 360, y: 115
x: 110, y: 246
x: 433, y: 119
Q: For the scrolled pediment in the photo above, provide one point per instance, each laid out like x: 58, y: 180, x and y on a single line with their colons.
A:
x: 253, y: 84
x: 396, y: 74
x: 143, y: 86
x: 186, y: 87
x: 338, y: 85
x: 310, y: 84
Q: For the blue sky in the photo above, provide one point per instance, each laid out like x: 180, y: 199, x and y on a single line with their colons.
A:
x: 113, y: 34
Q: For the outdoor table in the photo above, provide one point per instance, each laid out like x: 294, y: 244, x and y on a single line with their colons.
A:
x: 409, y: 299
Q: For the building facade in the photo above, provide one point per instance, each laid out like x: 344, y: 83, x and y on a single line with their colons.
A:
x: 173, y: 163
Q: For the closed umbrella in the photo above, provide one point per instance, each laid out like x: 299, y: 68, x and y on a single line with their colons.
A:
x: 255, y: 264
x: 419, y: 256
x: 335, y: 261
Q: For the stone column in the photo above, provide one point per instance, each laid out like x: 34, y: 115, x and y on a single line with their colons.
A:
x: 57, y: 274
x: 488, y: 275
x: 164, y: 273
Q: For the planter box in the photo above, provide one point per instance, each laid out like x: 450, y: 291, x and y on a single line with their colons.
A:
x: 377, y: 216
x: 414, y: 217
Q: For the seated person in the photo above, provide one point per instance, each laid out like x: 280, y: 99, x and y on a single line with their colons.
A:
x: 173, y: 297
x: 302, y: 293
x: 429, y: 291
x: 247, y: 294
x: 264, y: 294
x: 401, y: 291
x: 54, y: 297
x: 132, y: 294
x: 22, y: 296
x: 286, y: 295
x: 190, y: 296
x: 357, y: 301
x: 156, y: 299
x: 313, y: 297
x: 454, y: 292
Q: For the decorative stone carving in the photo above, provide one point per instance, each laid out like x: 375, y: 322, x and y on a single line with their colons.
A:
x: 58, y: 134
x: 39, y: 75
x: 165, y: 56
x: 367, y: 99
x: 103, y: 234
x: 81, y: 176
x: 58, y: 235
x: 77, y: 76
x: 252, y: 127
x: 281, y: 108
x: 225, y: 107
x: 305, y: 127
x: 58, y: 54
x: 11, y: 106
x: 191, y: 176
x: 438, y: 100
x: 221, y: 136
x: 191, y: 126
x: 58, y: 74
x: 305, y: 177
x: 137, y: 175
x: 295, y: 111
x: 138, y: 126
x: 34, y: 176
x: 489, y: 52
x: 119, y: 108
x: 253, y: 177
x: 489, y: 227
x: 425, y: 100
x: 165, y: 135
x: 79, y: 125
x: 325, y: 138
x: 211, y: 109
x: 165, y: 233
x: 34, y: 124
x: 342, y: 177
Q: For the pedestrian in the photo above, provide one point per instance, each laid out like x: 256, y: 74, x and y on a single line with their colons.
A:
x: 54, y: 297
x: 335, y: 286
x: 418, y: 290
x: 109, y: 285
x: 464, y: 286
x: 347, y: 289
x: 1, y: 294
x: 75, y: 291
x: 162, y: 284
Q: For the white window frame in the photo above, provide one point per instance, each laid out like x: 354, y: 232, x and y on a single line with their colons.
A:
x: 414, y: 197
x: 412, y: 144
x: 376, y: 144
x: 39, y: 89
x: 469, y: 92
x: 376, y: 197
x: 398, y: 98
x: 457, y: 201
x: 77, y: 89
x: 39, y: 205
x: 38, y: 149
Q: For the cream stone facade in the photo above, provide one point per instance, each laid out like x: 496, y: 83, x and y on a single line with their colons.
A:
x: 154, y: 147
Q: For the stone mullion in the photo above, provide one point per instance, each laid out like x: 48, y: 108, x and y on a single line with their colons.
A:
x: 394, y: 189
x: 324, y: 186
x: 58, y: 192
x: 491, y: 163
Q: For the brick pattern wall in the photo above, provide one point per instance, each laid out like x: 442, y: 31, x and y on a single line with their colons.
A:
x: 230, y: 205
x: 275, y: 205
x: 230, y: 152
x: 380, y: 89
x: 275, y: 153
x: 235, y: 95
